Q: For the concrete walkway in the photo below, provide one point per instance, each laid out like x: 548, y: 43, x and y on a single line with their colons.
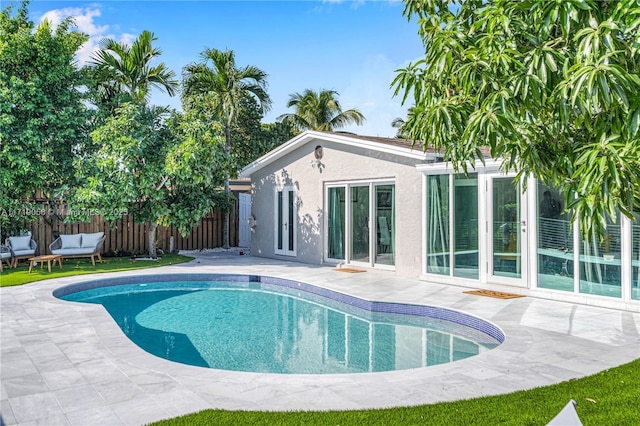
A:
x: 69, y: 363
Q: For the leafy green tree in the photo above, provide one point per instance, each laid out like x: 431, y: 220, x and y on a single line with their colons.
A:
x: 246, y: 132
x: 552, y: 87
x: 226, y: 86
x: 43, y: 117
x: 274, y: 135
x: 319, y: 111
x: 162, y: 173
x: 250, y: 139
x: 122, y: 69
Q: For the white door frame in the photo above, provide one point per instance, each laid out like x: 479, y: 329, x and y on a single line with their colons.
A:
x: 244, y: 228
x: 372, y: 223
x: 286, y: 221
x: 522, y: 233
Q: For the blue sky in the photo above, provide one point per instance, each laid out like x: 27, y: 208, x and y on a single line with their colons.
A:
x: 352, y: 47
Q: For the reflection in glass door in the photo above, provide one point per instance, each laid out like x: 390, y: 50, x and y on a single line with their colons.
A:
x: 465, y: 226
x: 385, y: 224
x: 507, y: 228
x: 285, y: 222
x: 360, y: 223
x: 336, y: 224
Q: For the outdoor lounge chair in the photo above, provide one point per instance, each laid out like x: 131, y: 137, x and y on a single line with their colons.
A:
x: 79, y: 245
x: 21, y: 248
x: 5, y: 256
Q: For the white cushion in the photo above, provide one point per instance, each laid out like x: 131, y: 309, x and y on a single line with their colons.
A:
x: 22, y: 253
x: 91, y: 240
x: 5, y: 255
x: 73, y: 251
x: 70, y: 241
x: 20, y: 243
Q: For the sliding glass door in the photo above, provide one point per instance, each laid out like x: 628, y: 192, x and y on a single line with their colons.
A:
x: 361, y: 223
x: 438, y: 256
x: 465, y: 226
x: 507, y: 231
x: 336, y: 224
x: 385, y: 224
x: 475, y: 228
x: 452, y: 225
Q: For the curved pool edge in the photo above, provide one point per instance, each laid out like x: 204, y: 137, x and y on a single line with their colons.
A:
x: 428, y: 311
x: 546, y: 344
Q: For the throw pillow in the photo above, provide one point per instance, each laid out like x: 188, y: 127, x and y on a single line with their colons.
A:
x: 70, y: 241
x: 20, y: 243
x: 91, y: 240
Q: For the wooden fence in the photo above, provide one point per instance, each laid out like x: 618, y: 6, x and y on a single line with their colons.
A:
x: 127, y: 236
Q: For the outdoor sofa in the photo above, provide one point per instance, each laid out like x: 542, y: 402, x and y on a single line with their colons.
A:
x: 21, y: 248
x: 79, y: 245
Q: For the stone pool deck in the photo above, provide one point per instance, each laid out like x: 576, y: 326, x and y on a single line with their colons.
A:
x: 69, y: 363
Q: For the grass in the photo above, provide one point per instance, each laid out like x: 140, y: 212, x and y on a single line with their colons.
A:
x: 611, y: 397
x: 21, y: 275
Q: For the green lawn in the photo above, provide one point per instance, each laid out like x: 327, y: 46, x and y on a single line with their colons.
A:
x: 21, y: 275
x: 611, y: 397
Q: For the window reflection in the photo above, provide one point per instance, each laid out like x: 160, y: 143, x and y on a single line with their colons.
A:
x: 600, y: 262
x: 555, y: 241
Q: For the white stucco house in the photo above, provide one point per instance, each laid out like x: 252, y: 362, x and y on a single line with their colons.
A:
x: 339, y: 198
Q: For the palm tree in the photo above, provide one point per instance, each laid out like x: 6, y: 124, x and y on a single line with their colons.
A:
x: 228, y: 85
x: 121, y: 68
x: 319, y: 111
x: 397, y: 123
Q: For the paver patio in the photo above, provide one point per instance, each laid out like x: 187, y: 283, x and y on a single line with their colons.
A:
x: 69, y: 363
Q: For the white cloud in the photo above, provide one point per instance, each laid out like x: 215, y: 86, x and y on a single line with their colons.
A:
x: 85, y: 21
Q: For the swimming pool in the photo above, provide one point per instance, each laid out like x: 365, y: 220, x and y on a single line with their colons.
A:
x: 265, y: 324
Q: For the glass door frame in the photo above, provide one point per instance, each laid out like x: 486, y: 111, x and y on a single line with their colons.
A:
x: 348, y: 233
x: 521, y: 233
x: 286, y: 215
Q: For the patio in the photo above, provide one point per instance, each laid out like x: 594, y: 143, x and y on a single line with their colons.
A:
x: 68, y: 363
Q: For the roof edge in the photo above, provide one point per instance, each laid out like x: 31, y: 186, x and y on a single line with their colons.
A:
x: 345, y: 139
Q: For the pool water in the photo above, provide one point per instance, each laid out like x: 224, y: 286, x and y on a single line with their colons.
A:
x: 242, y: 326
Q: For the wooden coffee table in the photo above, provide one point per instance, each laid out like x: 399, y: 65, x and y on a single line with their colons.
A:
x: 46, y: 258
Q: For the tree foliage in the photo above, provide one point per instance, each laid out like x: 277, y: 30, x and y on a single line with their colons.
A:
x: 118, y: 69
x: 162, y: 171
x: 43, y: 118
x: 319, y: 111
x: 552, y: 87
x: 224, y: 86
x: 250, y: 139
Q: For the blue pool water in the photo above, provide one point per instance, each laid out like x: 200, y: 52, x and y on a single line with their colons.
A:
x: 246, y: 323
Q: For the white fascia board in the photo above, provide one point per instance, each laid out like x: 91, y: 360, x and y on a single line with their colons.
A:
x: 309, y: 135
x: 490, y: 164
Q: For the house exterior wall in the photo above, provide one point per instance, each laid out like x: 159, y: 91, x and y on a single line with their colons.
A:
x: 340, y: 163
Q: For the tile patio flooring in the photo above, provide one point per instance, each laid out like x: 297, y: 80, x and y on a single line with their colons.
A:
x: 66, y: 363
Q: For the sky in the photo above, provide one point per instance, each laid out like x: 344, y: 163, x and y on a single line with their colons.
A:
x: 351, y: 46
